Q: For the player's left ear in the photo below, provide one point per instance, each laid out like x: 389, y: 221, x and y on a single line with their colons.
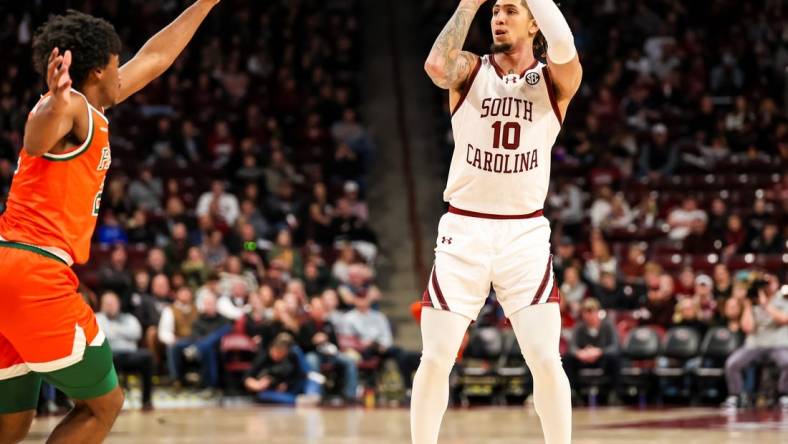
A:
x: 98, y: 73
x: 533, y: 28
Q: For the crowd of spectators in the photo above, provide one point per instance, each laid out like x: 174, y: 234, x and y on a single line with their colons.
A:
x: 235, y: 203
x: 669, y: 193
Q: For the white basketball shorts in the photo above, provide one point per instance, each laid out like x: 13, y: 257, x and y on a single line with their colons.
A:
x: 475, y: 251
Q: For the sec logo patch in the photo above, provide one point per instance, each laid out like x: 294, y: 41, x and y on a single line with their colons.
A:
x: 532, y: 78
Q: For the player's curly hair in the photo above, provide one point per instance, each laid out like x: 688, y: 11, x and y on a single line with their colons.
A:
x: 92, y: 42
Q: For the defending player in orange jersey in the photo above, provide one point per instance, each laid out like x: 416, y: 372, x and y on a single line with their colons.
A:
x: 46, y: 329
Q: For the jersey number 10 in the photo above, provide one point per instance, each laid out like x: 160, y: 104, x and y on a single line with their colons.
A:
x: 507, y: 135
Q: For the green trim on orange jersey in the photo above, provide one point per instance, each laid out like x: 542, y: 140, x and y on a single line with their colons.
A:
x: 32, y: 249
x: 85, y: 145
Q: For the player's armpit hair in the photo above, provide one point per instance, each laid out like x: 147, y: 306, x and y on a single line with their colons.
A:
x: 92, y: 42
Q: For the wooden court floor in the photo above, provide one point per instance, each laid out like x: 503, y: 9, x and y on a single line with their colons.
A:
x: 237, y: 425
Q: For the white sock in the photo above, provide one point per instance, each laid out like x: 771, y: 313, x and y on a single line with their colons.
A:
x: 538, y: 330
x: 441, y: 336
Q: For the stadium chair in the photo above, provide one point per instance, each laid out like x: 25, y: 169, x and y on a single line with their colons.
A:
x: 717, y: 345
x: 639, y: 353
x: 476, y: 373
x: 513, y: 374
x: 679, y: 345
x: 238, y: 351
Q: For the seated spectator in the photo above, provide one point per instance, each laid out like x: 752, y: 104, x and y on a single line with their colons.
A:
x: 565, y: 251
x: 685, y: 284
x: 233, y: 304
x: 161, y: 292
x: 646, y: 212
x: 316, y: 277
x: 369, y: 329
x: 318, y: 339
x: 659, y: 157
x: 722, y: 282
x: 114, y: 276
x: 280, y: 375
x: 286, y: 254
x: 195, y: 269
x: 139, y: 231
x: 146, y: 191
x: 573, y: 290
x: 157, y: 262
x: 225, y: 205
x: 347, y: 227
x: 735, y: 235
x: 768, y: 241
x: 687, y: 314
x: 601, y: 207
x: 634, y: 265
x: 359, y: 284
x: 594, y: 344
x: 620, y: 215
x: 251, y: 214
x: 110, y: 231
x: 765, y: 322
x: 341, y: 267
x: 176, y: 325
x: 682, y: 218
x: 330, y: 300
x: 259, y: 321
x: 214, y: 250
x: 346, y: 164
x: 358, y: 207
x: 601, y: 260
x: 123, y: 333
x: 284, y: 206
x: 203, y: 344
x: 178, y: 246
x: 732, y: 317
x: 320, y: 214
x: 567, y: 201
x: 698, y: 241
x: 660, y: 302
x: 718, y: 219
x: 704, y: 299
x: 142, y: 305
x: 610, y: 294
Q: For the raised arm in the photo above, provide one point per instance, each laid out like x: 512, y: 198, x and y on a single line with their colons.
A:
x: 162, y: 49
x: 53, y: 118
x: 565, y: 68
x: 448, y: 65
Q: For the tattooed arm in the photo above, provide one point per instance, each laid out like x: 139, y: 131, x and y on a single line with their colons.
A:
x: 448, y: 65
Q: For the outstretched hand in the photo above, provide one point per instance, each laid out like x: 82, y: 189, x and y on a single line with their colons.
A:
x: 58, y: 79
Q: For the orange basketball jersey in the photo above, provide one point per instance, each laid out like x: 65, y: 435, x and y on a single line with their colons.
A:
x: 54, y: 199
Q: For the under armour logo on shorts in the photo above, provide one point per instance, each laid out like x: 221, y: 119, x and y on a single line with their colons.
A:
x: 446, y: 240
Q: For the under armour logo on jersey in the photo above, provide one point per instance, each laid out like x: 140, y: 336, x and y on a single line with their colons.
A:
x: 445, y: 240
x: 511, y: 79
x: 532, y: 78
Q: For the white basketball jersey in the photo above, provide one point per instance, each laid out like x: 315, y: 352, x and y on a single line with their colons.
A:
x: 504, y: 127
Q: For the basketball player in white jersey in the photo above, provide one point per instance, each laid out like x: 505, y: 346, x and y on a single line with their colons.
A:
x: 507, y: 109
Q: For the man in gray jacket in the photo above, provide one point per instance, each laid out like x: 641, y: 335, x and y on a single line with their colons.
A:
x: 594, y: 344
x: 124, y: 332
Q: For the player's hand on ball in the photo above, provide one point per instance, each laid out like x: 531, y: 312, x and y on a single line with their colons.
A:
x: 58, y: 79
